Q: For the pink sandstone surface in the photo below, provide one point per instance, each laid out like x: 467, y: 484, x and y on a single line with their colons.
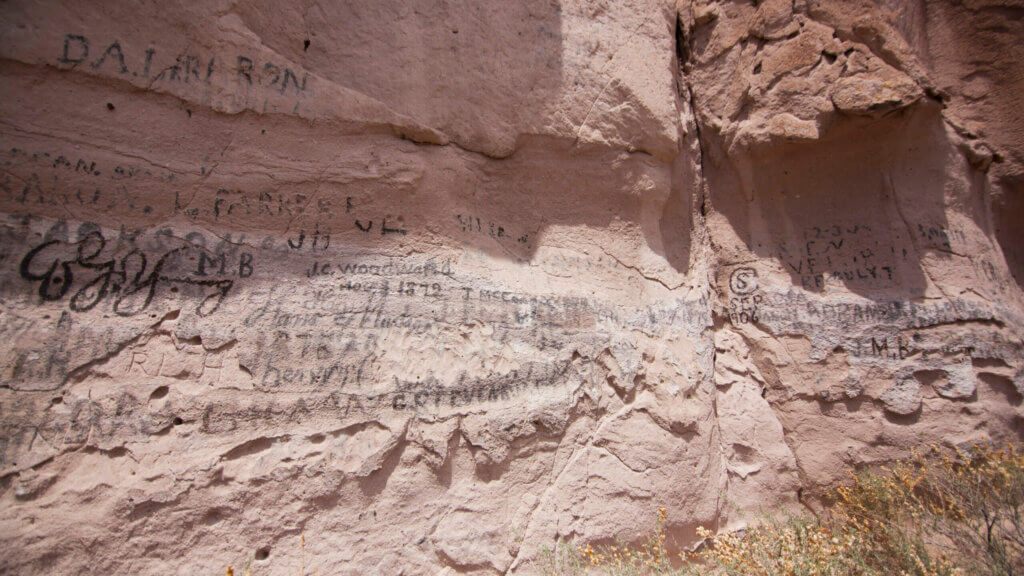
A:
x: 431, y: 285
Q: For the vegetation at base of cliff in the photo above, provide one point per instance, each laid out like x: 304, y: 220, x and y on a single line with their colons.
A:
x: 941, y: 513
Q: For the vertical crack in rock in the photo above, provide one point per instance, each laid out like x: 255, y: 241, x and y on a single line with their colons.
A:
x: 408, y: 291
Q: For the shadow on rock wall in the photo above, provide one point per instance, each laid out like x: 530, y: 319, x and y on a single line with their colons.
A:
x: 974, y: 51
x: 855, y: 209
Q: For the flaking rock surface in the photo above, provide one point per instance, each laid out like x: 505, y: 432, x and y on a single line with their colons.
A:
x: 423, y: 287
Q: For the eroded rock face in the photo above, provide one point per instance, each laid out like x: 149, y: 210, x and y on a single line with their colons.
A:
x: 429, y: 287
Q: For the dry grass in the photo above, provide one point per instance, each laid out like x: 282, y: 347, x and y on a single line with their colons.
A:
x: 651, y: 557
x: 943, y: 513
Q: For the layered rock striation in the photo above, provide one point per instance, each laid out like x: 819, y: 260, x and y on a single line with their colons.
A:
x: 394, y: 288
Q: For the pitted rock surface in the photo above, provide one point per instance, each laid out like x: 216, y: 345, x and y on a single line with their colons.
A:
x: 393, y: 288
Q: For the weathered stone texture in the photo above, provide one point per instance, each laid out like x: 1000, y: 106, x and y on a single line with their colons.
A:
x: 429, y: 286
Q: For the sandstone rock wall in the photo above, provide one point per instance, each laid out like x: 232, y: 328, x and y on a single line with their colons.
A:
x: 389, y: 288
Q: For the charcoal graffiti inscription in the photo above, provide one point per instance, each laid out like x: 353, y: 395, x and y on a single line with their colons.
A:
x: 184, y: 68
x: 88, y: 274
x: 745, y: 299
x: 53, y: 178
x: 841, y: 252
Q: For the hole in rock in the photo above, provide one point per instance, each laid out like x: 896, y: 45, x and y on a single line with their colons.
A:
x: 316, y: 438
x: 744, y: 453
x: 305, y: 44
x: 263, y: 553
x: 982, y: 362
x: 177, y: 421
x: 932, y: 377
x: 110, y: 106
x: 159, y: 393
x: 1003, y: 385
x: 757, y: 68
x: 57, y: 400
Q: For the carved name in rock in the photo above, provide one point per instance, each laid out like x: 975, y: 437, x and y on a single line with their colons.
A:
x: 414, y: 290
x: 186, y: 68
